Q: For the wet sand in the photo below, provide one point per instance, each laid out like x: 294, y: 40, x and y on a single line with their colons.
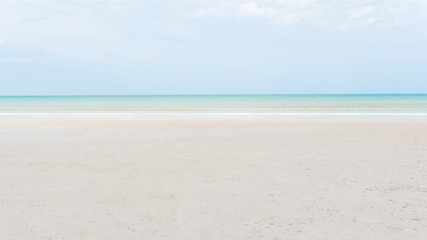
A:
x: 212, y: 179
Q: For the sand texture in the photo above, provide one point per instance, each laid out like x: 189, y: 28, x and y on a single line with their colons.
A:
x: 212, y: 179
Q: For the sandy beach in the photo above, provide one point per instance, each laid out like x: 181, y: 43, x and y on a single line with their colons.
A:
x: 212, y: 179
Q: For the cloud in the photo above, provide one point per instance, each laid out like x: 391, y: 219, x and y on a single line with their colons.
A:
x: 361, y: 12
x: 251, y: 9
x: 98, y: 32
x: 224, y: 10
x: 332, y: 13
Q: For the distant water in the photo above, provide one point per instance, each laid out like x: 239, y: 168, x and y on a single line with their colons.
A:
x: 345, y: 104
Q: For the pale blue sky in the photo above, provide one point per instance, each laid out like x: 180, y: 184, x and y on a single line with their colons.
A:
x: 212, y: 47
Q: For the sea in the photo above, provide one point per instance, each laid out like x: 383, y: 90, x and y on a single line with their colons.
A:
x: 254, y: 106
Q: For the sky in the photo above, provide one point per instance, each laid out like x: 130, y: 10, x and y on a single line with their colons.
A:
x: 118, y: 47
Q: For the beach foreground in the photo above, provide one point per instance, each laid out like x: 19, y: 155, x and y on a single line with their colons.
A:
x: 212, y: 179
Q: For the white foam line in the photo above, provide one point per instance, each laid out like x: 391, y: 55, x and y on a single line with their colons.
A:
x: 215, y: 114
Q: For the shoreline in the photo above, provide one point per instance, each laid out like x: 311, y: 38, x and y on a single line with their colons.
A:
x: 279, y: 116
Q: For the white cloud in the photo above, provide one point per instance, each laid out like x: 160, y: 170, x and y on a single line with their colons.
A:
x: 251, y: 9
x: 292, y: 18
x: 93, y: 32
x: 133, y: 29
x: 224, y: 10
x: 361, y: 12
x: 332, y: 13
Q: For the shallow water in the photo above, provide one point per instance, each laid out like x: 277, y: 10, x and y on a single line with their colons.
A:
x: 385, y: 103
x: 216, y: 106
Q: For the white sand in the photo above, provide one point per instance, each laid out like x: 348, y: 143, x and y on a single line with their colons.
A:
x: 212, y: 179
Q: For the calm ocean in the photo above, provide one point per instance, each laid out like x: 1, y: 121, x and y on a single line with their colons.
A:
x: 341, y: 104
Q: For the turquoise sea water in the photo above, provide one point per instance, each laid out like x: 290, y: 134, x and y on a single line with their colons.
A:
x: 346, y: 104
x: 410, y: 103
